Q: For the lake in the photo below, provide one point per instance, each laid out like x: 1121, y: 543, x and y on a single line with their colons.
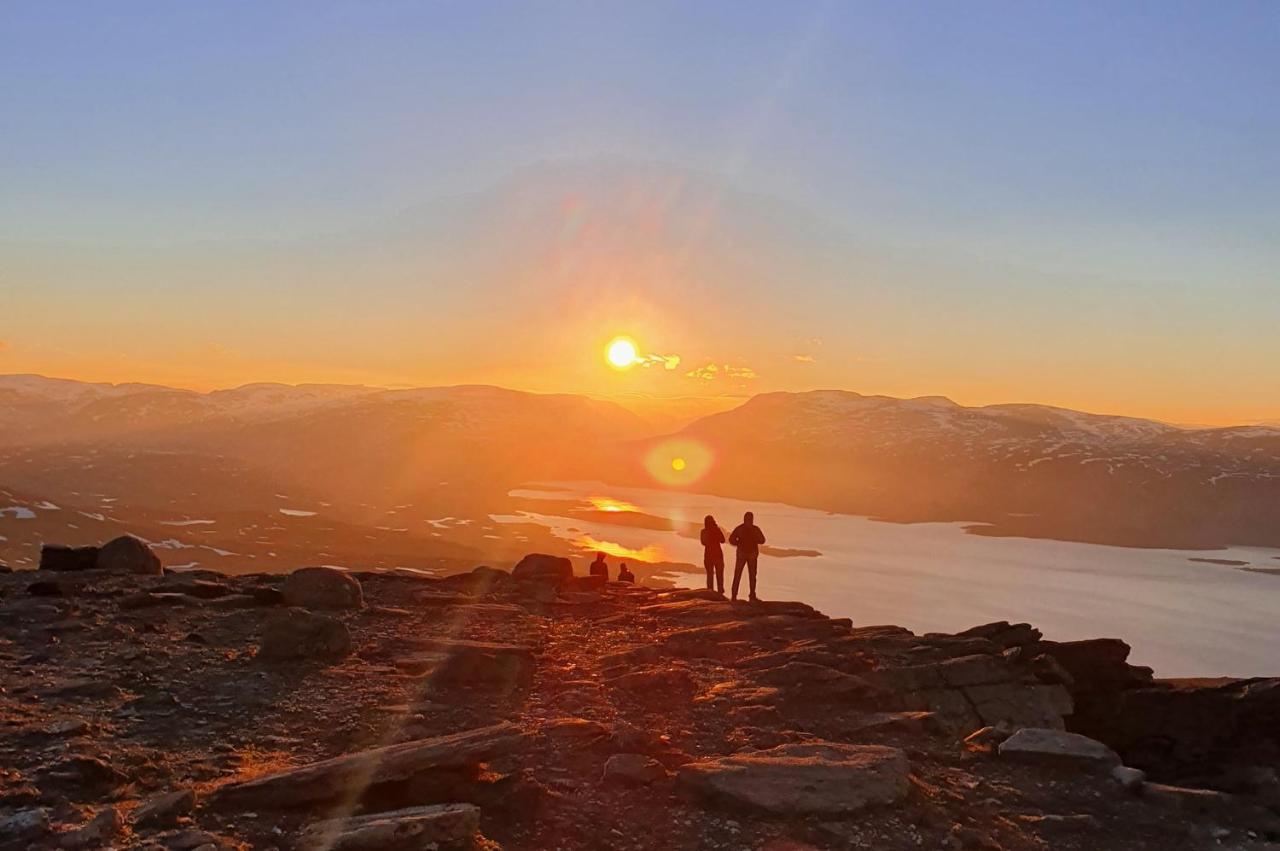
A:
x: 1182, y: 618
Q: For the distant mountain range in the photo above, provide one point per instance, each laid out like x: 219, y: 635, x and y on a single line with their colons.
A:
x: 1029, y: 470
x: 397, y: 460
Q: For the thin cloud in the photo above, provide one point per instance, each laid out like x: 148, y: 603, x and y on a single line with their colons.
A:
x: 713, y: 372
x: 804, y: 358
x: 665, y: 361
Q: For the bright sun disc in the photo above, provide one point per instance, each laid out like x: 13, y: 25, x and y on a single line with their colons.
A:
x: 621, y: 353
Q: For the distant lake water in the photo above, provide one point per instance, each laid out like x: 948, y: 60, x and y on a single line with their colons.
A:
x: 1182, y: 618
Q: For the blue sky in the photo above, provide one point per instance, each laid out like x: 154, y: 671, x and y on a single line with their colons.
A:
x: 1128, y: 148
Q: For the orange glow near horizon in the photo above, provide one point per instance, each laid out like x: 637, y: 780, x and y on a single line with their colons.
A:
x: 649, y: 554
x: 609, y: 504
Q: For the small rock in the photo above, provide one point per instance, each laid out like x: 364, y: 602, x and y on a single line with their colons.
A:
x: 322, y: 588
x: 166, y: 809
x: 67, y: 727
x: 105, y: 826
x: 633, y: 769
x: 1131, y: 779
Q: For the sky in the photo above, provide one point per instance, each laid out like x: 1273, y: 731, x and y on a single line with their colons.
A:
x: 1073, y: 203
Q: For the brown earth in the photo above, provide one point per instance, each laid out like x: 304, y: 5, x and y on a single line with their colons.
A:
x: 122, y: 694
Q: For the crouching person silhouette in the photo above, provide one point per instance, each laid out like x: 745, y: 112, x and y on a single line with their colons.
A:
x: 747, y: 538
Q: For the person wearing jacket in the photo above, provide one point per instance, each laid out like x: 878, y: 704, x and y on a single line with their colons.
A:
x: 747, y: 538
x: 712, y: 554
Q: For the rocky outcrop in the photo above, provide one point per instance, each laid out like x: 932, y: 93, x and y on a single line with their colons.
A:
x: 127, y: 554
x: 296, y: 634
x: 974, y: 691
x: 322, y: 588
x: 782, y: 728
x: 814, y: 778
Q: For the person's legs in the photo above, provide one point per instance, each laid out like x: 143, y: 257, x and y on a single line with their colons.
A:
x: 738, y: 562
x: 708, y: 567
x: 751, y: 573
x: 720, y: 576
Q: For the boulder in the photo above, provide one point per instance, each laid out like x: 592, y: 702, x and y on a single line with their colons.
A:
x: 322, y: 588
x: 98, y: 833
x: 472, y: 663
x: 812, y: 778
x: 544, y: 568
x: 24, y: 825
x: 166, y: 809
x: 347, y: 777
x: 127, y: 554
x: 633, y: 769
x: 1055, y: 747
x: 399, y: 830
x: 61, y: 558
x: 299, y: 634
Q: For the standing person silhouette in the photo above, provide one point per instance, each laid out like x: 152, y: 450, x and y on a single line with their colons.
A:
x: 712, y: 554
x: 747, y: 538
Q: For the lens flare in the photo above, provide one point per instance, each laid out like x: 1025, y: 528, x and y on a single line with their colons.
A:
x: 679, y: 462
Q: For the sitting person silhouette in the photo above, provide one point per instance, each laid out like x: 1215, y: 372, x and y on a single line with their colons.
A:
x: 712, y: 555
x: 747, y: 538
x: 598, y: 567
x: 625, y: 575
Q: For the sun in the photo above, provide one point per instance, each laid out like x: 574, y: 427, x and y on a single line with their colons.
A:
x: 621, y: 353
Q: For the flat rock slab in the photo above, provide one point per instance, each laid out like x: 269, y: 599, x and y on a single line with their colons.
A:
x: 471, y: 663
x: 399, y: 830
x: 825, y: 778
x: 347, y: 777
x: 1043, y: 746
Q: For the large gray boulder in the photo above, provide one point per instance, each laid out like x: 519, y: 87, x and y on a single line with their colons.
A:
x: 322, y: 588
x: 544, y: 568
x: 127, y: 554
x: 812, y: 778
x: 299, y: 634
x: 1043, y: 746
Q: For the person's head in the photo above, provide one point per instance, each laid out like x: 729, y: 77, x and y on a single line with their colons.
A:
x: 599, y: 556
x: 749, y: 518
x: 623, y: 567
x: 709, y: 522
